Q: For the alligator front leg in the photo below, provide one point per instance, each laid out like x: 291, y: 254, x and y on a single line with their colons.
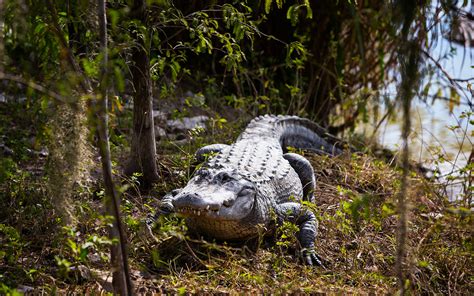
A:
x: 308, y: 225
x: 166, y: 205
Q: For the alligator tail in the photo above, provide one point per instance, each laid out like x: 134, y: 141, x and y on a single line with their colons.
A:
x: 304, y: 134
x: 294, y: 131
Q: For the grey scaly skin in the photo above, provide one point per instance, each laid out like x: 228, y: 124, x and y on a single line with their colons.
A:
x: 254, y: 183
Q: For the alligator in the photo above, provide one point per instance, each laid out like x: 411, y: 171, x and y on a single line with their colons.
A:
x: 255, y: 183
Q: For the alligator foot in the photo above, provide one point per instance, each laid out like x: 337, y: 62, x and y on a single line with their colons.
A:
x: 308, y: 225
x: 166, y: 207
x: 148, y: 228
x: 311, y: 258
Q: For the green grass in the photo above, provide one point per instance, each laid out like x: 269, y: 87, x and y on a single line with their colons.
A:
x: 355, y: 205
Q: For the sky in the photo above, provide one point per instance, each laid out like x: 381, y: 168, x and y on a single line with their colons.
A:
x: 432, y: 132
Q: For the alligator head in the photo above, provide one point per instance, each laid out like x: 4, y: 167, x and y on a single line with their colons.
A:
x: 213, y: 194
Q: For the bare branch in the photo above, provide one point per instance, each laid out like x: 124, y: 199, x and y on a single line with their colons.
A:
x: 440, y: 67
x: 463, y: 80
x: 35, y: 86
x: 84, y: 82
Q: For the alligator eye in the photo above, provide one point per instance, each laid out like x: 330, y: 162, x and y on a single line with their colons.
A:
x: 246, y: 191
x: 203, y: 173
x: 225, y: 178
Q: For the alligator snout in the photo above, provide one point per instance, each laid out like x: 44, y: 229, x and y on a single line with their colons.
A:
x: 197, y: 202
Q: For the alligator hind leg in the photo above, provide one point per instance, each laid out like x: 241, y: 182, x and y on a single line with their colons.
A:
x: 305, y: 172
x: 308, y: 225
x: 202, y: 152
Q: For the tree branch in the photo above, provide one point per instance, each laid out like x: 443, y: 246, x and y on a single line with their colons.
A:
x: 438, y: 65
x: 35, y: 86
x: 85, y: 83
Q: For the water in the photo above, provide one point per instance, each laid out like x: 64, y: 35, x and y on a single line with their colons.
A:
x: 440, y: 137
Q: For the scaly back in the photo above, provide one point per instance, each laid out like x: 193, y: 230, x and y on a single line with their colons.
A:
x: 292, y: 131
x: 257, y: 153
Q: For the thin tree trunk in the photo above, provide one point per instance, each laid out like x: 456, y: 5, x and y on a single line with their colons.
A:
x: 402, y: 202
x: 2, y: 47
x: 143, y: 147
x: 119, y: 259
x: 409, y: 58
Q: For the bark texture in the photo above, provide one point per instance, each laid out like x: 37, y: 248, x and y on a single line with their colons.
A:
x: 143, y: 148
x: 118, y: 257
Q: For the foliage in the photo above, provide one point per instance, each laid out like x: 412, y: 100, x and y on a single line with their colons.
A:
x: 356, y: 206
x: 230, y: 60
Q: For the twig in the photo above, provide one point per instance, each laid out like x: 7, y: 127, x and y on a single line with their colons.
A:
x: 463, y: 80
x: 84, y: 82
x: 384, y: 117
x: 35, y: 86
x: 451, y: 80
x: 193, y: 254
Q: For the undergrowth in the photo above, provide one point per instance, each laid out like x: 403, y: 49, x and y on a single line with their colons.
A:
x: 355, y: 205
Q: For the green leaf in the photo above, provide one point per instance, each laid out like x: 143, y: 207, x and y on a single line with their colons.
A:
x: 44, y: 103
x: 279, y: 3
x: 291, y: 13
x: 309, y: 11
x: 268, y: 4
x: 454, y: 100
x: 182, y: 291
x: 423, y: 263
x: 114, y: 16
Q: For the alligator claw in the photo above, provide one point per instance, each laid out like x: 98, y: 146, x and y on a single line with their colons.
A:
x: 311, y: 258
x: 165, y: 209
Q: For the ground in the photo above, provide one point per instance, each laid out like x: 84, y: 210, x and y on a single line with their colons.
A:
x: 355, y: 205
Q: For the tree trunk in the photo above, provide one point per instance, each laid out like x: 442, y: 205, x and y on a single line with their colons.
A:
x: 2, y: 47
x: 409, y: 59
x: 119, y: 259
x: 143, y: 148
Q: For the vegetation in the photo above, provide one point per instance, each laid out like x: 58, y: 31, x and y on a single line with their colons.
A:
x: 75, y: 86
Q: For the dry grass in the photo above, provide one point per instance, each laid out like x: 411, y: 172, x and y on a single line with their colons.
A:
x: 355, y: 198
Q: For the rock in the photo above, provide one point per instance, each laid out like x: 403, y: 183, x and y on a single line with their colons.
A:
x: 94, y: 258
x: 6, y: 151
x: 159, y: 132
x: 193, y: 99
x: 43, y: 152
x: 187, y: 123
x: 81, y: 273
x: 25, y: 289
x: 159, y: 116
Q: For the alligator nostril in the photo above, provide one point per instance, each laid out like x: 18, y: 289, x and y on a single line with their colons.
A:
x: 228, y: 202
